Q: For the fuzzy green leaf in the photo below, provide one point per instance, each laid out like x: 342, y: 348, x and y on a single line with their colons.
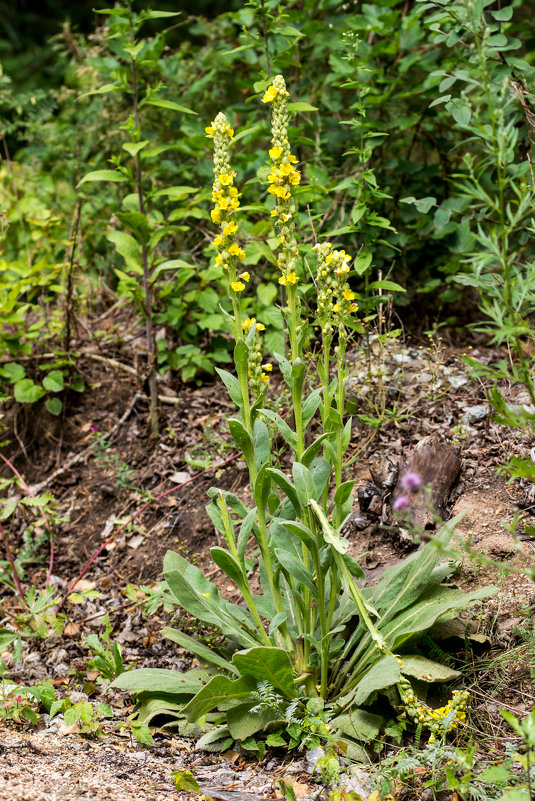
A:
x: 419, y: 667
x: 219, y: 690
x: 268, y: 664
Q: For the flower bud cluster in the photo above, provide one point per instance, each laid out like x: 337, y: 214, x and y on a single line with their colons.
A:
x: 225, y: 196
x: 257, y: 372
x: 332, y: 284
x: 282, y: 178
x: 325, y: 285
x: 438, y: 721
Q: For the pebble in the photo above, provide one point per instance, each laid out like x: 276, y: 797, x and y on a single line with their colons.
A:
x: 312, y: 758
x: 474, y: 413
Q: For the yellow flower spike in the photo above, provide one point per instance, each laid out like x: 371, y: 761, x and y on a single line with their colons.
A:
x: 237, y: 286
x: 275, y: 152
x: 245, y: 277
x: 270, y: 94
x: 230, y: 229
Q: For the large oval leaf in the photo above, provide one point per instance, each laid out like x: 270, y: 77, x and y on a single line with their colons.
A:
x: 268, y: 664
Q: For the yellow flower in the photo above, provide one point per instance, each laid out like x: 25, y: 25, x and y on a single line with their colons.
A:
x: 241, y: 255
x: 230, y: 229
x: 353, y: 308
x: 205, y: 594
x: 234, y: 249
x: 260, y: 327
x: 282, y: 280
x: 328, y: 258
x: 209, y: 131
x: 225, y: 179
x: 247, y: 323
x: 349, y: 295
x: 336, y: 308
x: 275, y: 152
x: 264, y: 379
x: 274, y: 212
x: 270, y: 94
x: 292, y: 277
x: 292, y: 158
x: 286, y: 217
x: 245, y: 277
x: 267, y: 367
x: 215, y: 214
x: 286, y: 169
x: 219, y: 259
x: 230, y: 132
x: 224, y: 203
x: 295, y: 178
x: 237, y: 286
x: 218, y: 241
x: 342, y: 270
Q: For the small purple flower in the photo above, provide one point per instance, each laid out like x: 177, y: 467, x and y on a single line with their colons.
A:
x: 400, y: 503
x: 411, y: 482
x: 94, y: 429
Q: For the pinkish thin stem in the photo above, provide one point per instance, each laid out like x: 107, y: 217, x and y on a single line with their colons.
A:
x: 133, y: 517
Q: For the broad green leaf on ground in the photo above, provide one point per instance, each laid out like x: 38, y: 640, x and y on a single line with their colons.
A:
x: 158, y: 680
x: 219, y: 690
x: 359, y: 724
x: 243, y: 723
x: 419, y: 667
x: 384, y: 673
x: 268, y: 664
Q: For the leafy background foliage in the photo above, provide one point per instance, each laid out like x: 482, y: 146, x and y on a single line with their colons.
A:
x: 381, y: 130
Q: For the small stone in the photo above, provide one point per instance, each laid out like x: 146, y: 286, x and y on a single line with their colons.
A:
x: 180, y: 477
x: 457, y: 381
x: 474, y: 413
x: 312, y: 758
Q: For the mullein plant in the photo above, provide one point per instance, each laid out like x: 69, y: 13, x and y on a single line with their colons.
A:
x: 323, y: 644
